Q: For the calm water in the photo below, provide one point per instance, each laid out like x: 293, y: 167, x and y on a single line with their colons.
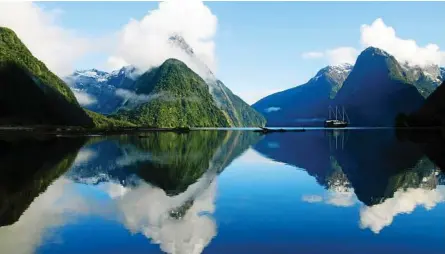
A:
x: 356, y: 191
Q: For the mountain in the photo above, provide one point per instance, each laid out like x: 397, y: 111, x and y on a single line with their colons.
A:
x: 307, y: 103
x: 102, y: 87
x: 376, y: 77
x: 432, y: 112
x: 425, y: 79
x: 30, y: 93
x: 172, y: 95
x: 106, y: 92
x: 238, y: 112
x: 377, y: 90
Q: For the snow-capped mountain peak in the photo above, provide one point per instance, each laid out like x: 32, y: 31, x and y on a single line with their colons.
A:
x: 336, y: 73
x: 129, y: 71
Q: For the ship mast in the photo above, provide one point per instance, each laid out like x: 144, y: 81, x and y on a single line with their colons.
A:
x: 343, y: 114
x: 336, y: 113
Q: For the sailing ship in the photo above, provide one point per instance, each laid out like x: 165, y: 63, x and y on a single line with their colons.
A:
x: 336, y: 122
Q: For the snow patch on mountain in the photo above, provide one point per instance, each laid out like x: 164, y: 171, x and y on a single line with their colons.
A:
x: 337, y: 73
x: 96, y: 90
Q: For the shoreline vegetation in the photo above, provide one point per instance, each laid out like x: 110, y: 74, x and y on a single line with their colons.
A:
x: 106, y: 131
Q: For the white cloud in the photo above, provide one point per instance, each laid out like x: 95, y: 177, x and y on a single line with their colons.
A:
x: 54, y: 45
x: 342, y: 55
x: 345, y: 198
x: 341, y: 198
x: 312, y: 55
x: 84, y: 155
x: 145, y: 43
x: 379, y: 35
x: 335, y: 56
x: 272, y: 109
x: 49, y: 210
x: 404, y: 202
x: 251, y: 156
x: 312, y: 198
x: 83, y: 98
x: 146, y: 210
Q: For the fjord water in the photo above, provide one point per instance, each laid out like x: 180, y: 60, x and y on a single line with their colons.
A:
x: 351, y: 191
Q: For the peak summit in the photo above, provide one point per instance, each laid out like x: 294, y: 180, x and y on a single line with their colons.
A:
x: 179, y: 41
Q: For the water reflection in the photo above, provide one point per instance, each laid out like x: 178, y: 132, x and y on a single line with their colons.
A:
x: 27, y: 168
x: 160, y: 191
x: 387, y: 176
x: 162, y: 186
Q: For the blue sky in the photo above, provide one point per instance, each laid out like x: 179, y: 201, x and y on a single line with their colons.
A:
x: 259, y: 46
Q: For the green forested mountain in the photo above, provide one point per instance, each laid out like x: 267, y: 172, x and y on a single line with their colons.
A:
x: 173, y: 95
x: 237, y: 111
x: 30, y: 94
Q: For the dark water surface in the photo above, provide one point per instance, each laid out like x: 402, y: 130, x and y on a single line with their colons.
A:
x: 354, y: 191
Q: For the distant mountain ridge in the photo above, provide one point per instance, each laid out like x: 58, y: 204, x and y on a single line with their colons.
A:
x: 371, y: 92
x: 307, y: 103
x: 102, y: 86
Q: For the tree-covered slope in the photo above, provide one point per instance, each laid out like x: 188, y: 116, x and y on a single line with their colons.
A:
x: 30, y: 93
x: 377, y: 90
x: 306, y: 104
x: 238, y: 112
x: 172, y: 95
x: 432, y: 112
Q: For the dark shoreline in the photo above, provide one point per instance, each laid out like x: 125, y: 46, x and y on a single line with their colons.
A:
x: 80, y: 131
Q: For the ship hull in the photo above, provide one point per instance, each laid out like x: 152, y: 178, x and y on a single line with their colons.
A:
x: 335, y: 124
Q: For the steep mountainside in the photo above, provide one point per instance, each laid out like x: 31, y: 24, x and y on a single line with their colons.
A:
x: 30, y: 93
x: 425, y: 79
x: 377, y: 90
x: 172, y: 95
x: 306, y: 104
x: 432, y: 112
x: 238, y: 112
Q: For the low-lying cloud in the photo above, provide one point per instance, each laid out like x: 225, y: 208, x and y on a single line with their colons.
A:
x: 272, y: 109
x: 84, y: 98
x: 133, y: 99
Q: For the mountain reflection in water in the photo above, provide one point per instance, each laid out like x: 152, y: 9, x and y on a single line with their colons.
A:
x: 215, y: 191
